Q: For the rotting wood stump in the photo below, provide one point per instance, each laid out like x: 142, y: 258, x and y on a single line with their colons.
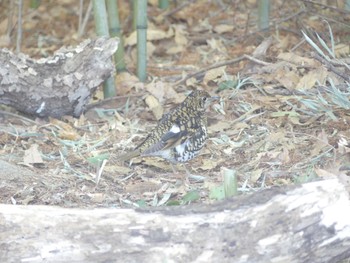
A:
x: 59, y: 85
x: 306, y: 223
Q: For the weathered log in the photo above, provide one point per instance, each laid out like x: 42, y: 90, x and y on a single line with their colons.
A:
x: 58, y: 85
x: 309, y: 223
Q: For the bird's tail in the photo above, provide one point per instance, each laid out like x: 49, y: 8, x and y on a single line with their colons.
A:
x: 127, y: 156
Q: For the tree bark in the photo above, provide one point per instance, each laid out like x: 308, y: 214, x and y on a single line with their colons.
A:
x: 59, y: 85
x: 308, y: 223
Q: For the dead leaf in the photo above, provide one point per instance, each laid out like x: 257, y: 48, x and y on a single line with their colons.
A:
x: 341, y: 49
x: 155, y: 106
x: 180, y: 35
x: 255, y: 175
x: 298, y: 60
x: 324, y: 174
x: 125, y: 82
x: 223, y: 28
x: 213, y: 74
x: 68, y: 135
x: 32, y: 155
x: 288, y: 78
x: 208, y: 164
x: 310, y: 79
x: 152, y: 34
x: 219, y: 126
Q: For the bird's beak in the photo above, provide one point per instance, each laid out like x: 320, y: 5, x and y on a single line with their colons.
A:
x: 214, y: 98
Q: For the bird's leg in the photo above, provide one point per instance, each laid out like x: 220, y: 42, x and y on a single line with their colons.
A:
x: 173, y: 168
x: 187, y: 171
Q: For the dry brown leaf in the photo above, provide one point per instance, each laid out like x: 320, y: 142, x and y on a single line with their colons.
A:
x: 172, y: 95
x: 277, y: 137
x: 125, y: 82
x: 152, y: 34
x: 208, y: 164
x: 32, y: 155
x: 97, y: 197
x: 155, y: 106
x: 180, y: 35
x: 216, y: 44
x: 320, y: 144
x: 68, y: 135
x: 324, y: 174
x: 157, y: 89
x: 223, y: 28
x: 341, y: 49
x: 118, y: 170
x: 159, y: 164
x: 284, y: 156
x: 255, y: 175
x: 191, y: 81
x: 310, y: 79
x: 175, y: 49
x: 298, y: 60
x: 219, y: 126
x: 288, y: 79
x: 213, y: 74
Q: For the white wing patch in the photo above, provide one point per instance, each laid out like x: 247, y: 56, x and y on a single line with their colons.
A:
x: 175, y: 129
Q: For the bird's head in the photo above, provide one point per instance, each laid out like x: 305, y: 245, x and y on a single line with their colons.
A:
x: 199, y: 100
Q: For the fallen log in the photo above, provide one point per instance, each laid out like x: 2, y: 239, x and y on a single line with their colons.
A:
x: 307, y: 223
x: 59, y: 85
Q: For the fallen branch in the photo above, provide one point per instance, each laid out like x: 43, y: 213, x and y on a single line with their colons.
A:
x: 58, y: 85
x: 308, y: 223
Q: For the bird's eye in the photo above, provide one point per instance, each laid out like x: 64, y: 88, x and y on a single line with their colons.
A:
x: 204, y: 99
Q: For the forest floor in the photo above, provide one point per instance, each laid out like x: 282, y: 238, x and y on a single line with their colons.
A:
x: 283, y: 117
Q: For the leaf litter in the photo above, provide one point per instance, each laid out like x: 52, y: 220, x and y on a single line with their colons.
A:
x: 283, y: 118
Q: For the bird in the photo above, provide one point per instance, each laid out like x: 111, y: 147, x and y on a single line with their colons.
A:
x: 180, y: 134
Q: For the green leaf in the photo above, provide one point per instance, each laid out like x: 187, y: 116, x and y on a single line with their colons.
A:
x: 230, y: 182
x: 284, y: 113
x: 98, y: 158
x: 173, y: 203
x: 190, y: 197
x: 141, y: 203
x: 227, y: 84
x: 217, y: 193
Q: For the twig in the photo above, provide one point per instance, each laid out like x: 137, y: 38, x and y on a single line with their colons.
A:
x: 327, y: 6
x: 331, y: 67
x: 18, y: 116
x: 218, y: 65
x: 10, y: 19
x: 180, y: 7
x: 274, y: 24
x: 19, y: 27
x: 86, y: 19
x: 92, y: 105
x: 258, y: 61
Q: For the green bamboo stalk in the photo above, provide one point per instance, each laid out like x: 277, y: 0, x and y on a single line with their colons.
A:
x: 142, y: 39
x: 19, y: 26
x: 34, y: 4
x: 101, y: 25
x: 134, y: 14
x: 347, y: 5
x: 230, y: 182
x: 163, y: 4
x: 263, y: 14
x: 115, y: 30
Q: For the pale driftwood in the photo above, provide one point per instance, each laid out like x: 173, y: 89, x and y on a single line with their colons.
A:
x: 58, y: 85
x: 309, y: 223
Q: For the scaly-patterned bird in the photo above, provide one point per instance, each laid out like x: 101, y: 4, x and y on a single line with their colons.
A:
x: 180, y: 134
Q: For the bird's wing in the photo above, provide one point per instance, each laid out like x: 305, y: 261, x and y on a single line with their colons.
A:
x: 169, y: 139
